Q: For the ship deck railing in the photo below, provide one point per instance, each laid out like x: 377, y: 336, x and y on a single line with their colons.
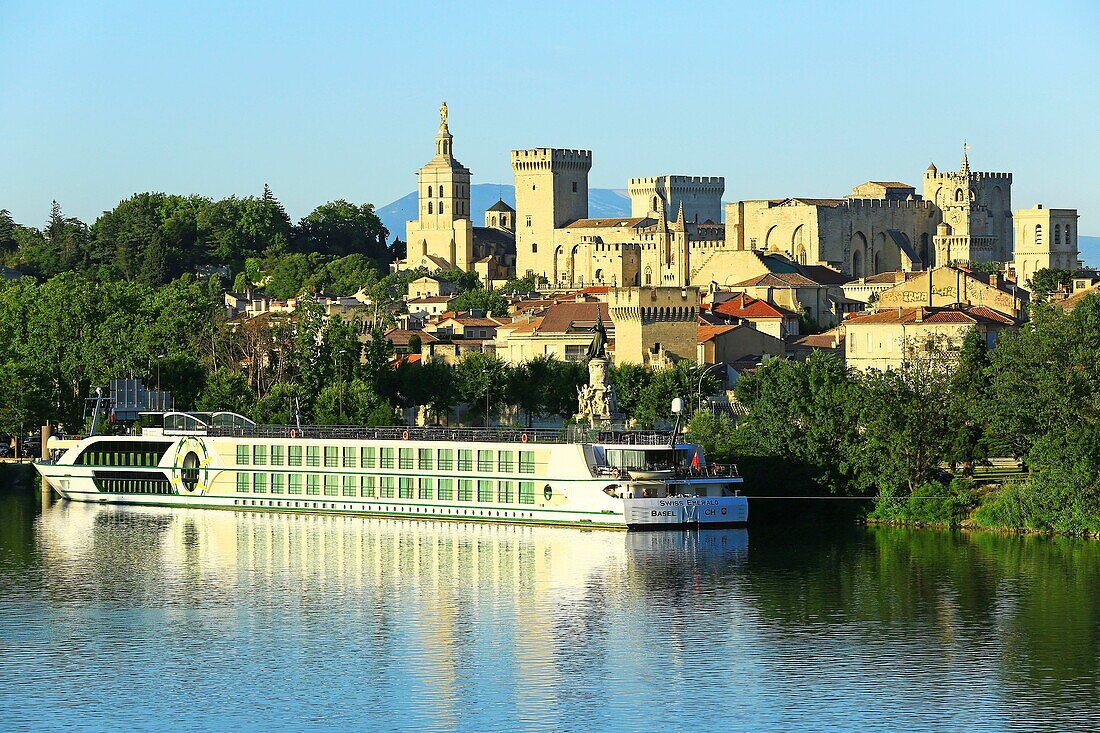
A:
x: 711, y: 470
x: 441, y: 433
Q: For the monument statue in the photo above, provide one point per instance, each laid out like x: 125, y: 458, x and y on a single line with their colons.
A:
x: 443, y: 115
x: 596, y: 400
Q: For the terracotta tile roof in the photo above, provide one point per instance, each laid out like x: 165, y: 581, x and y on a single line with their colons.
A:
x: 746, y: 306
x: 1074, y: 300
x: 891, y: 184
x: 829, y: 203
x: 906, y: 316
x: 706, y: 333
x: 522, y: 327
x: 776, y: 280
x: 596, y: 289
x: 830, y: 339
x: 401, y: 336
x: 407, y: 359
x: 625, y: 221
x: 574, y: 317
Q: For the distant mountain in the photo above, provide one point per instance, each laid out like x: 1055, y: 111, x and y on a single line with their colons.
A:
x: 1090, y: 250
x: 602, y: 202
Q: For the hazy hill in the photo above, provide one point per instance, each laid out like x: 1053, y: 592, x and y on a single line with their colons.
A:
x: 601, y: 202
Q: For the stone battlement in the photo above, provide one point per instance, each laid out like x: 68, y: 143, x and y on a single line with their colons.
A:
x: 534, y: 156
x: 974, y: 175
x: 680, y: 180
x: 919, y: 204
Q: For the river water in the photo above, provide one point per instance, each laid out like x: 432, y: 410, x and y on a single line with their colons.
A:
x: 144, y: 619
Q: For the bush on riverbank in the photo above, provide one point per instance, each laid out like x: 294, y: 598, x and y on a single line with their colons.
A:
x: 933, y: 504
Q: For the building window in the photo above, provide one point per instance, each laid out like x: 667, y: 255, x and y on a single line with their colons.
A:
x: 654, y: 203
x: 484, y: 461
x: 958, y: 194
x: 1057, y: 234
x: 484, y: 491
x: 332, y: 456
x: 429, y: 207
x: 465, y: 489
x: 404, y: 487
x: 278, y: 481
x: 424, y: 489
x: 444, y: 492
x: 504, y: 492
x: 528, y: 220
x: 446, y: 459
x: 405, y: 459
x: 429, y: 196
x: 242, y: 455
x: 465, y: 460
x: 313, y: 455
x: 368, y: 457
x: 277, y: 455
x: 294, y: 483
x: 367, y: 485
x: 1038, y: 234
x: 574, y: 186
x: 441, y: 191
x: 313, y: 484
x: 1069, y: 241
x: 526, y: 461
x: 424, y: 459
x: 294, y: 455
x: 440, y: 207
x: 534, y: 245
x: 526, y: 492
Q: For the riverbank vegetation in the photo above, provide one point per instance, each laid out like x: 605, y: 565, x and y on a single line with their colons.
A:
x: 912, y: 439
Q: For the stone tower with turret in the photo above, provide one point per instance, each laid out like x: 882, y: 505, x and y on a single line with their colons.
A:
x: 551, y: 191
x: 976, y: 209
x: 442, y: 234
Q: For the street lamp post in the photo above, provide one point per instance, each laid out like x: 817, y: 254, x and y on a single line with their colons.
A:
x: 699, y: 391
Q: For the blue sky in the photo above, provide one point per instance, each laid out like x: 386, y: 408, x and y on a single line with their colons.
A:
x: 340, y: 99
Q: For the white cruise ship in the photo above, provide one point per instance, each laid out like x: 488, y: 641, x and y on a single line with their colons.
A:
x: 611, y: 479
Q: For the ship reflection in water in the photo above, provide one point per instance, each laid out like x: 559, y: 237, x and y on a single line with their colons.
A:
x: 151, y: 619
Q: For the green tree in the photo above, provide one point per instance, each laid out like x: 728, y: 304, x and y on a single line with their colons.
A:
x: 1046, y: 280
x: 341, y: 228
x: 491, y: 302
x: 226, y: 390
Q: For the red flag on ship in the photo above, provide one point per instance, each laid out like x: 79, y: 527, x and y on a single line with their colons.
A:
x: 696, y: 463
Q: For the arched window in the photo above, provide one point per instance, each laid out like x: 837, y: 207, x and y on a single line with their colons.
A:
x: 857, y: 263
x: 429, y: 191
x: 429, y: 207
x: 441, y: 189
x: 440, y: 207
x: 534, y: 247
x: 654, y: 203
x: 1038, y: 234
x: 958, y: 194
x: 493, y: 221
x: 1057, y: 234
x: 648, y: 276
x: 1069, y: 241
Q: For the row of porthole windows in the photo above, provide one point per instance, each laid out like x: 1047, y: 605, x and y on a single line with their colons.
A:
x: 389, y: 487
x: 433, y: 511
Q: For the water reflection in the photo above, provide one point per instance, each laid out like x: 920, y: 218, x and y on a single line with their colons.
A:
x: 145, y: 618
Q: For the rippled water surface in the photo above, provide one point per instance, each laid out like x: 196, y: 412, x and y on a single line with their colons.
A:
x: 204, y: 620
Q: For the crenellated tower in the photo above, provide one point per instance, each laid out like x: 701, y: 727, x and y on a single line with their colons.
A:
x: 976, y: 207
x: 551, y: 191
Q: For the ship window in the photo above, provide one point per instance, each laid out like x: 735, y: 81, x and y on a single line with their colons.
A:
x: 386, y: 491
x: 242, y: 455
x: 294, y: 455
x: 505, y: 461
x: 465, y: 489
x: 465, y: 460
x: 313, y: 484
x: 445, y: 489
x: 278, y: 481
x: 350, y: 458
x: 484, y: 490
x: 277, y: 455
x: 368, y: 457
x: 332, y: 485
x: 446, y: 459
x: 350, y: 487
x: 424, y: 490
x: 526, y: 461
x: 405, y: 458
x: 387, y: 458
x: 484, y: 461
x: 313, y: 455
x: 526, y: 492
x: 295, y: 483
x: 259, y: 455
x: 404, y: 487
x: 367, y: 485
x: 259, y: 483
x: 242, y: 483
x: 424, y: 460
x: 332, y: 455
x: 504, y: 492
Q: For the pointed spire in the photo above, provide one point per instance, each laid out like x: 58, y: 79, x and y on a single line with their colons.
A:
x: 965, y: 169
x: 680, y: 214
